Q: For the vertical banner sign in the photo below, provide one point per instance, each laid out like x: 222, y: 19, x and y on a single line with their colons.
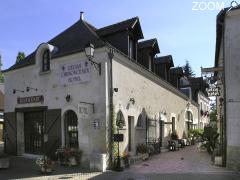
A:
x: 76, y: 72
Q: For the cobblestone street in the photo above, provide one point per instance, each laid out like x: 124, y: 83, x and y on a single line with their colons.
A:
x: 187, y: 163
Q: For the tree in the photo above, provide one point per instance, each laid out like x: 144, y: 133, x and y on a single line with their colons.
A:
x: 188, y: 72
x: 20, y: 56
x: 1, y: 74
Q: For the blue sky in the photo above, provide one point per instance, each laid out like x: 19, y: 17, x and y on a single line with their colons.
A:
x: 184, y: 33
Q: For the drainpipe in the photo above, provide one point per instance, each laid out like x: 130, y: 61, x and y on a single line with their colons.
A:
x: 110, y: 56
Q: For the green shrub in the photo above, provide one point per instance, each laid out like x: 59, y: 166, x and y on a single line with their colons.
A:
x: 142, y: 148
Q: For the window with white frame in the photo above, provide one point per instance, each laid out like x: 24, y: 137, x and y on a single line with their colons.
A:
x: 46, y: 61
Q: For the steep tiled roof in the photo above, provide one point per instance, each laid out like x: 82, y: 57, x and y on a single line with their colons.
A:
x: 177, y: 70
x: 75, y: 38
x: 121, y: 26
x: 69, y: 41
x: 164, y: 59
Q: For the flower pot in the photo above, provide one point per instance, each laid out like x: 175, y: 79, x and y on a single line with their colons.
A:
x: 46, y: 170
x: 143, y: 156
x: 72, y: 161
x: 218, y: 160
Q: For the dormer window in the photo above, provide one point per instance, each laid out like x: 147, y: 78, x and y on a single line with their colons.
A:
x: 130, y: 48
x: 46, y: 61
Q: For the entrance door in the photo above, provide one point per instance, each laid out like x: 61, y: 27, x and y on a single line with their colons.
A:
x: 33, y: 132
x: 71, y: 129
x: 130, y: 132
x: 161, y: 132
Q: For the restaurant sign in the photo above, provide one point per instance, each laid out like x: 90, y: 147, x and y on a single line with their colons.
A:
x: 73, y: 73
x: 31, y: 99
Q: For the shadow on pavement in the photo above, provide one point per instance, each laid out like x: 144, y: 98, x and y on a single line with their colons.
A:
x: 26, y: 168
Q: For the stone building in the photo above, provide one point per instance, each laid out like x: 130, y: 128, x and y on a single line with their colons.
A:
x: 57, y: 97
x: 226, y: 69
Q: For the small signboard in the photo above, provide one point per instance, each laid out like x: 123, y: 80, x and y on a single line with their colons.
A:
x: 213, y: 91
x: 83, y: 110
x: 118, y: 137
x: 31, y: 99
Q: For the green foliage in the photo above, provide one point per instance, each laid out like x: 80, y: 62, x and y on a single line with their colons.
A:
x: 211, y: 136
x: 142, y: 148
x: 188, y: 72
x: 213, y: 118
x: 114, y: 131
x: 20, y: 56
x: 1, y: 74
x: 195, y: 133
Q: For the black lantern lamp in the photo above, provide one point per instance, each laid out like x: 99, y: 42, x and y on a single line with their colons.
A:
x: 68, y: 97
x: 89, y: 51
x: 29, y: 88
x: 15, y: 90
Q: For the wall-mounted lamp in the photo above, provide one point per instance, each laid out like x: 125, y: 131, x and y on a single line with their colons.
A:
x: 89, y: 51
x: 132, y: 100
x: 68, y: 97
x: 16, y: 90
x: 28, y: 89
x: 115, y: 89
x: 188, y: 105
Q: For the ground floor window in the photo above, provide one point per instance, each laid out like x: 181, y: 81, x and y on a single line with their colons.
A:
x: 71, y: 129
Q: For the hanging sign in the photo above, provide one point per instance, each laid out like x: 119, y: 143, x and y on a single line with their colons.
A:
x: 73, y: 73
x: 213, y: 91
x: 31, y: 99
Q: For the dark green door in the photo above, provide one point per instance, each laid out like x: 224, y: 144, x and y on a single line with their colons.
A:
x: 33, y: 132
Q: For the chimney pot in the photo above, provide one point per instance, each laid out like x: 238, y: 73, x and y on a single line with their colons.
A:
x: 81, y: 15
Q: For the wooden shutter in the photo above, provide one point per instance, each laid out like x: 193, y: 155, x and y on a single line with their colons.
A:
x: 10, y: 133
x: 53, y: 129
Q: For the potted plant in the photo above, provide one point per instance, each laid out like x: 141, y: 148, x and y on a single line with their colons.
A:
x: 125, y: 160
x: 75, y: 157
x: 69, y: 156
x: 46, y: 165
x: 142, y: 150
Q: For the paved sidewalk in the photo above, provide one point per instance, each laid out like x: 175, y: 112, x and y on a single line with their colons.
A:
x: 186, y: 164
x: 188, y: 160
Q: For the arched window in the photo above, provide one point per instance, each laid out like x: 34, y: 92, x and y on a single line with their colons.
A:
x: 71, y: 129
x: 140, y: 121
x: 46, y: 61
x: 120, y: 121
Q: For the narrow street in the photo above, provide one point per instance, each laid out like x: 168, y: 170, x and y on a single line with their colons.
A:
x: 187, y: 163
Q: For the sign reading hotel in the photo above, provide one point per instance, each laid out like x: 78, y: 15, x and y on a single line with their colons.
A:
x: 83, y: 110
x: 213, y: 91
x: 73, y: 73
x: 31, y: 99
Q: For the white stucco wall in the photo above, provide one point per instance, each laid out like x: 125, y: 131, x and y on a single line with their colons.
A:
x: 152, y: 96
x: 204, y: 102
x: 95, y: 91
